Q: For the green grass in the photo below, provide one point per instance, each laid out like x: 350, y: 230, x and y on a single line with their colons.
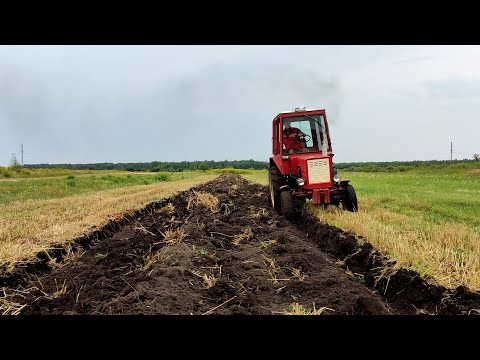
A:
x: 419, y: 167
x: 257, y: 176
x: 55, y: 187
x: 234, y: 171
x: 43, y: 184
x: 435, y: 197
x: 41, y: 173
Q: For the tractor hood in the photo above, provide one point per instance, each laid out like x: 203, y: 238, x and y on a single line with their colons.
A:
x: 315, y: 169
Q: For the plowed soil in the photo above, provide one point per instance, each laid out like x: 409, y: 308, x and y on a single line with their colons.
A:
x: 179, y: 256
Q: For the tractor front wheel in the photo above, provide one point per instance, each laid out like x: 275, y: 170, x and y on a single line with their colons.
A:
x: 350, y: 199
x: 274, y: 183
x: 287, y: 204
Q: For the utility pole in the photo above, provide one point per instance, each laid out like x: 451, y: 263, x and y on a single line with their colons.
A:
x: 21, y: 150
x: 451, y: 150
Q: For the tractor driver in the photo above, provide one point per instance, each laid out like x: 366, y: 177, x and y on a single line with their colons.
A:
x: 291, y: 139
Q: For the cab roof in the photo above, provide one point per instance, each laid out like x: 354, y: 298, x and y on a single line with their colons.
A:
x: 299, y: 110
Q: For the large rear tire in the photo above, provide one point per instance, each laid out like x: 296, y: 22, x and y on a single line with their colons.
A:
x: 287, y: 204
x: 350, y: 199
x: 274, y: 183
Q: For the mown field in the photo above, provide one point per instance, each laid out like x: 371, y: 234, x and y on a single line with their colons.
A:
x: 52, y: 206
x: 427, y: 219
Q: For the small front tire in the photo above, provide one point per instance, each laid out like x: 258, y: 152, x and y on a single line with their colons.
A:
x: 287, y: 205
x: 350, y: 199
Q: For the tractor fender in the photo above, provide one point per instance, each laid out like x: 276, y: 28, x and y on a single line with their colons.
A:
x: 344, y: 182
x: 284, y: 188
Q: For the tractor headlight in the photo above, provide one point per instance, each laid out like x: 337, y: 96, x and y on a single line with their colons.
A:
x: 300, y: 182
x: 336, y: 178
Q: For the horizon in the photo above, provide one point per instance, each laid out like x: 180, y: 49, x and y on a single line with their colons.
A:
x: 266, y: 161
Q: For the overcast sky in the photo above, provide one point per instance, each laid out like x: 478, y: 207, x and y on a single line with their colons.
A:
x: 84, y: 104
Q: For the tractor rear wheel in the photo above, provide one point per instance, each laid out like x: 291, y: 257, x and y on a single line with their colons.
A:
x: 287, y: 204
x: 350, y: 199
x: 274, y: 182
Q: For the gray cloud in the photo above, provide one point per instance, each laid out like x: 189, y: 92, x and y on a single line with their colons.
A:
x: 22, y: 99
x: 236, y: 104
x: 413, y: 59
x: 220, y: 111
x: 454, y: 88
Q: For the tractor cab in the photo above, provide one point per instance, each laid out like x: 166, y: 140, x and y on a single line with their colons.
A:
x: 301, y: 165
x: 304, y: 133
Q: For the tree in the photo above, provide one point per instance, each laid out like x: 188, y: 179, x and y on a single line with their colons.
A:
x: 14, y: 164
x: 476, y: 157
x: 203, y: 166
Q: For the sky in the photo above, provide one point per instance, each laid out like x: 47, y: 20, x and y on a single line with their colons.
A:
x: 91, y: 104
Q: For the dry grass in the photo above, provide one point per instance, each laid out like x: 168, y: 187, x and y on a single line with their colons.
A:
x: 8, y: 307
x: 232, y: 191
x: 168, y: 209
x: 60, y: 291
x: 475, y: 172
x: 298, y: 274
x: 208, y: 200
x: 267, y: 243
x: 262, y: 213
x: 269, y: 262
x: 273, y: 269
x: 191, y: 202
x: 174, y: 236
x: 31, y: 226
x: 246, y: 234
x: 218, y: 306
x: 208, y: 280
x: 449, y: 252
x: 297, y: 309
x: 69, y: 256
x: 226, y: 207
x: 151, y: 258
x: 142, y: 229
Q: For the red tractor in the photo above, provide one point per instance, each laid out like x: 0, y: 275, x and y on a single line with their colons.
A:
x: 301, y: 166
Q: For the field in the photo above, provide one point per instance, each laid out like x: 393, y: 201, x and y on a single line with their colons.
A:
x: 183, y: 244
x: 219, y: 248
x: 47, y: 209
x: 427, y: 219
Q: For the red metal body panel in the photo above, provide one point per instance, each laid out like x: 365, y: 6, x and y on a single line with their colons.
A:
x: 294, y: 162
x: 304, y: 168
x: 326, y: 196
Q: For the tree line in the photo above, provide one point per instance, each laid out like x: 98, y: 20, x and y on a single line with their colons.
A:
x: 156, y: 166
x: 399, y: 166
